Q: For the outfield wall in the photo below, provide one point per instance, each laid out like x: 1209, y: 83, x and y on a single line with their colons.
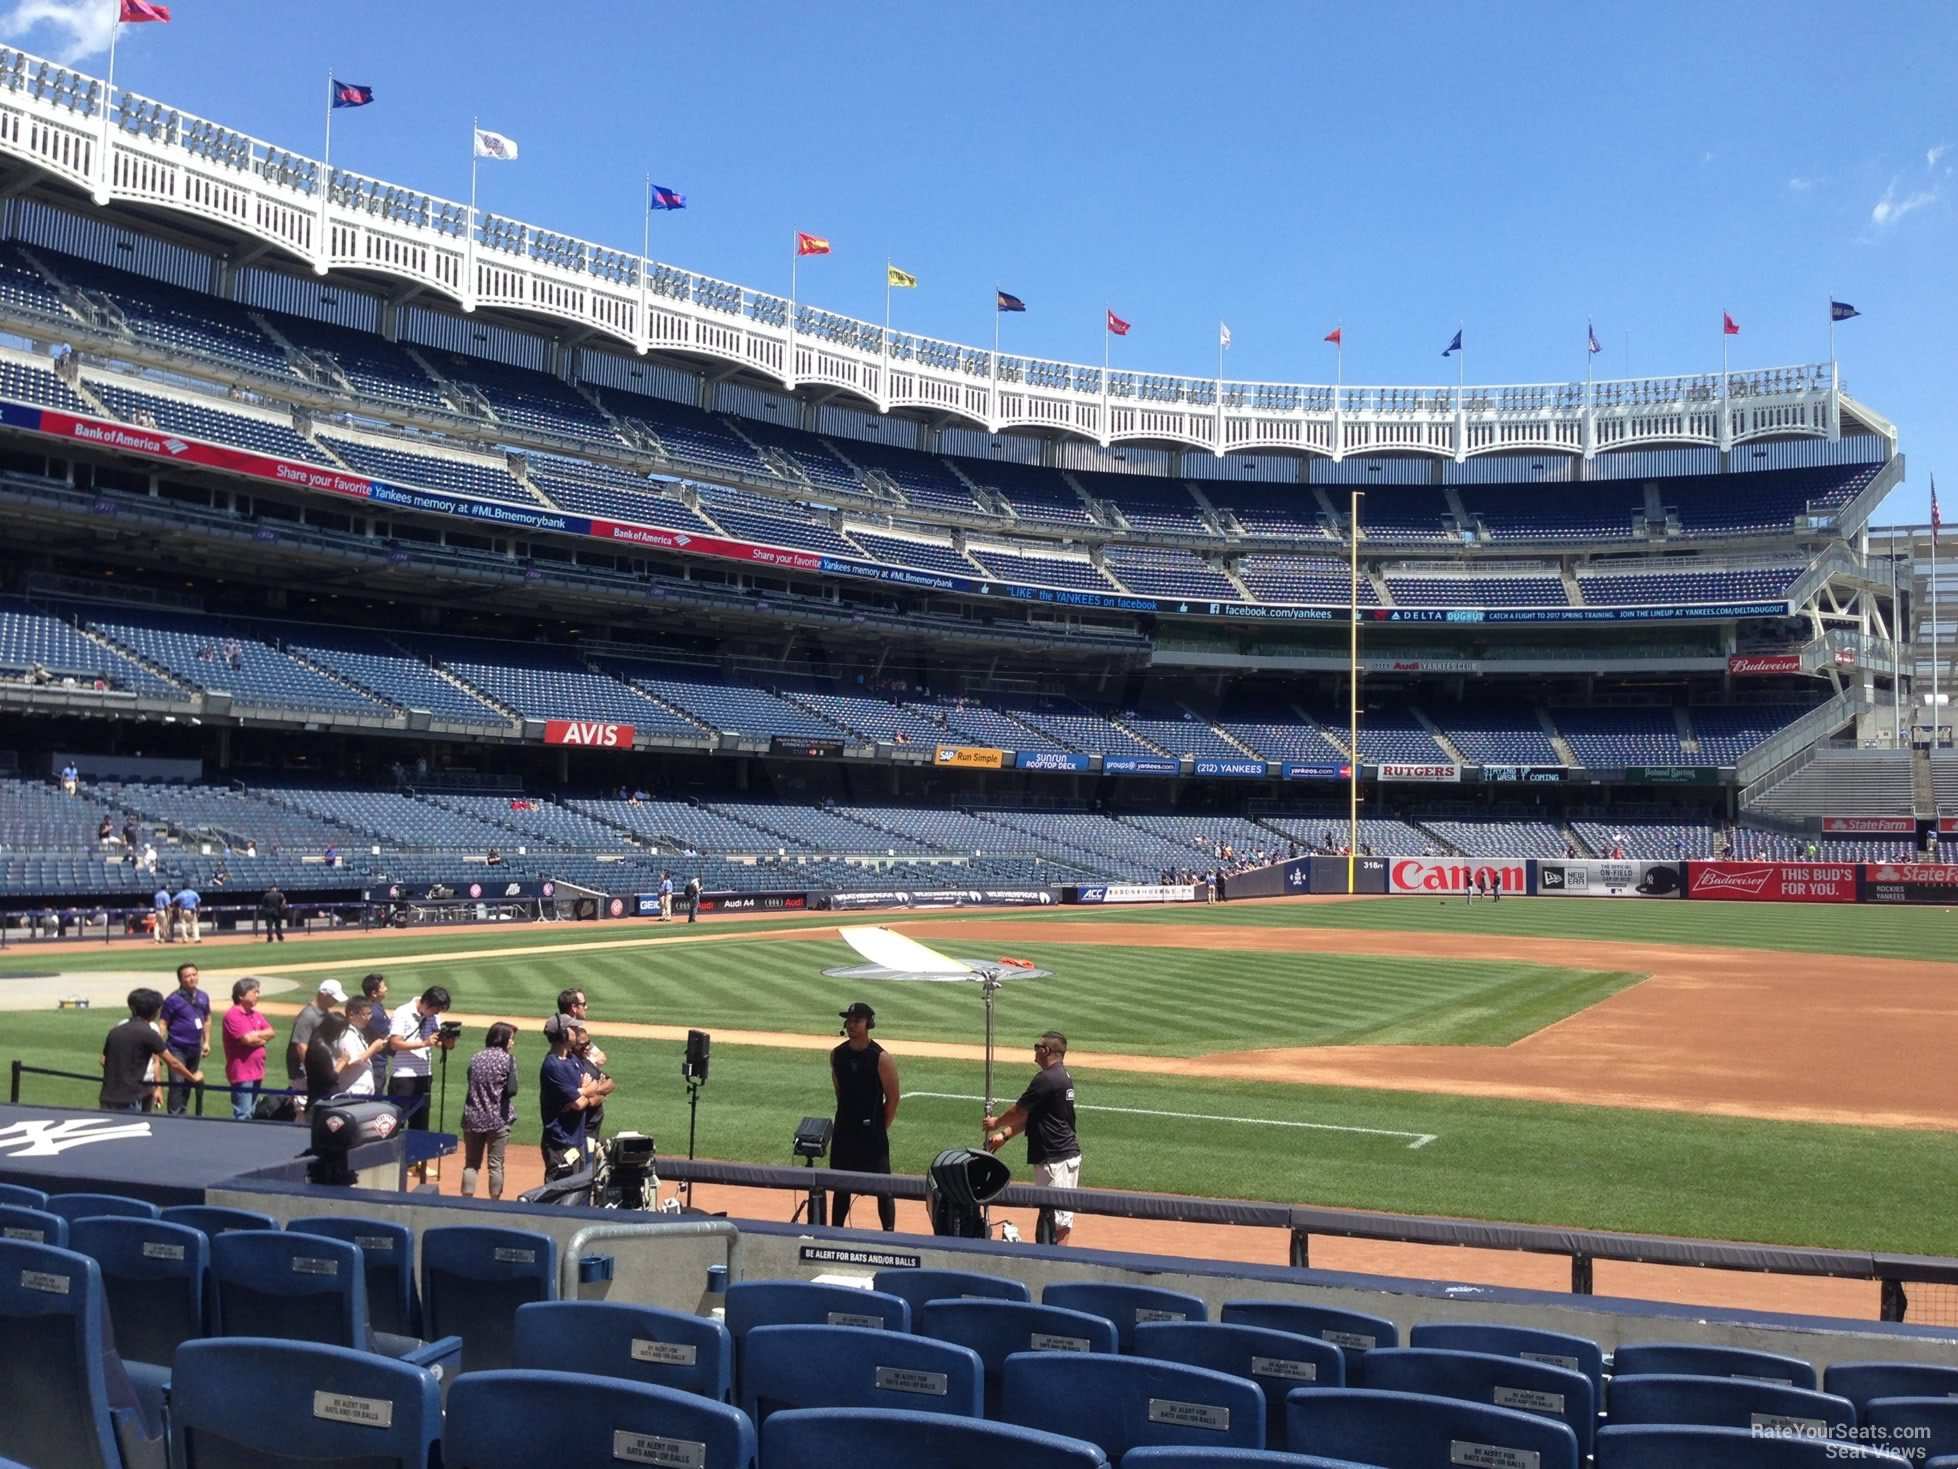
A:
x: 1538, y: 877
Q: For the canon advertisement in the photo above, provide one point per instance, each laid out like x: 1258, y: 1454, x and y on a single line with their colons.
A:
x: 1909, y: 882
x: 1772, y: 882
x: 1589, y: 879
x: 1457, y: 875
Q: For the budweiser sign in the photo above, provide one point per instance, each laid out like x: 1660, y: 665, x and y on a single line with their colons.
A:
x: 1747, y: 881
x: 1752, y: 665
x: 1772, y: 882
x: 593, y: 734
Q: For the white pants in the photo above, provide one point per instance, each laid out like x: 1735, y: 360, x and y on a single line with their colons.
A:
x: 1059, y: 1173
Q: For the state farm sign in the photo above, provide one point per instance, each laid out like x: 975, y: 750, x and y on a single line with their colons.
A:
x: 1870, y: 826
x: 1438, y: 875
x: 1772, y: 882
x: 1751, y: 664
x: 591, y: 733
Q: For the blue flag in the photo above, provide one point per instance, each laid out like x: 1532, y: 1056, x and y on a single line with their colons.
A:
x: 347, y: 94
x: 663, y: 198
x: 1842, y: 311
x: 1454, y: 346
x: 1009, y: 303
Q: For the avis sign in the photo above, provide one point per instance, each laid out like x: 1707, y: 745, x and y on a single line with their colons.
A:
x: 588, y: 732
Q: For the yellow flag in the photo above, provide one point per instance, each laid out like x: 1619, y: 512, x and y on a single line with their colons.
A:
x: 900, y: 277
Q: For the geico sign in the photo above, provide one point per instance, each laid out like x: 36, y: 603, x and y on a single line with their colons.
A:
x: 1425, y: 875
x: 589, y: 732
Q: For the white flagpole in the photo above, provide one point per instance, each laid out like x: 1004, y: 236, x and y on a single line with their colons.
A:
x: 645, y: 267
x: 997, y: 314
x: 887, y: 316
x: 1832, y: 328
x: 1590, y: 335
x: 469, y: 285
x: 1936, y: 715
x: 795, y: 253
x: 108, y: 105
x: 1339, y: 360
x: 326, y: 176
x: 1106, y: 333
x: 1461, y: 359
x: 327, y: 158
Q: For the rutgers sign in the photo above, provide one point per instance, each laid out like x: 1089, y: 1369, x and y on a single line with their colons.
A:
x: 1772, y: 882
x: 590, y: 733
x: 1433, y: 875
x: 1746, y: 665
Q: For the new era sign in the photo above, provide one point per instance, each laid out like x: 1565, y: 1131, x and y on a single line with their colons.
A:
x: 591, y: 733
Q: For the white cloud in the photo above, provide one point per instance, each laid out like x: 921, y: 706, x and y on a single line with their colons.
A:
x: 66, y: 31
x: 1801, y: 185
x: 1890, y: 208
x: 1934, y: 153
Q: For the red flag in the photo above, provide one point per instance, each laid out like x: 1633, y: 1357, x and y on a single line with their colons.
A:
x: 1117, y: 325
x: 134, y: 11
x: 804, y: 244
x: 1334, y: 336
x: 1729, y: 325
x: 1936, y: 519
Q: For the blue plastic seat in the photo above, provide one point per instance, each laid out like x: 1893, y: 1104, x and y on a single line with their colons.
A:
x: 473, y: 1280
x: 214, y: 1219
x: 249, y: 1401
x: 1278, y: 1361
x: 915, y: 1287
x: 33, y: 1226
x: 1399, y: 1430
x: 20, y: 1196
x: 870, y: 1438
x: 998, y: 1329
x: 64, y: 1397
x: 1925, y: 1426
x: 1122, y: 1403
x: 83, y: 1206
x: 519, y: 1420
x: 857, y: 1367
x: 634, y: 1343
x: 1552, y: 1348
x: 1674, y: 1358
x: 1125, y: 1304
x: 1182, y: 1458
x: 387, y: 1258
x: 1354, y: 1332
x: 154, y: 1276
x: 1720, y: 1402
x: 1482, y: 1377
x: 1862, y: 1381
x: 1676, y: 1447
x: 752, y: 1303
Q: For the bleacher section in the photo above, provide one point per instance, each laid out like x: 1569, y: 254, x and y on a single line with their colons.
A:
x: 1492, y: 589
x: 547, y: 683
x: 755, y: 518
x: 1044, y: 571
x: 198, y: 420
x: 1621, y: 736
x: 1304, y: 579
x: 174, y: 318
x: 1034, y: 494
x: 206, y: 654
x: 729, y: 708
x: 396, y: 464
x: 30, y: 636
x: 372, y: 662
x: 1159, y: 573
x: 1605, y: 585
x: 1160, y: 506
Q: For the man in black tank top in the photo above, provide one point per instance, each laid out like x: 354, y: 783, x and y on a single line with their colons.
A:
x: 865, y: 1077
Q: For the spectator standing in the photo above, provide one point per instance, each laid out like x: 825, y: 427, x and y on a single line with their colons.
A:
x: 865, y: 1079
x: 590, y: 1058
x: 693, y: 898
x: 308, y: 1020
x: 379, y: 1025
x: 272, y: 908
x: 147, y: 862
x: 489, y: 1110
x: 565, y: 1094
x: 188, y: 902
x: 666, y: 897
x: 71, y: 780
x: 246, y: 1034
x: 186, y: 1017
x: 160, y: 902
x: 106, y: 832
x: 126, y: 1054
x: 358, y: 1050
x: 129, y: 833
x: 323, y: 1059
x: 1045, y: 1113
x: 414, y: 1035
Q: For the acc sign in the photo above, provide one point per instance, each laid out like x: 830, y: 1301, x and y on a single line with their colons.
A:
x: 588, y: 732
x: 1427, y: 875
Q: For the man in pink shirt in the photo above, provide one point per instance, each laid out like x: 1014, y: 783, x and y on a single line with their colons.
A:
x: 245, y: 1034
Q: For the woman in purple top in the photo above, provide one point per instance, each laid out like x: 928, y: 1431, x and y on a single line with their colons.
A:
x: 490, y: 1108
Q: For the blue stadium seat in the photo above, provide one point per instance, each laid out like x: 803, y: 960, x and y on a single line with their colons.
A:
x: 19, y: 1196
x: 1553, y: 1348
x: 1182, y: 1458
x: 1675, y: 1446
x: 635, y: 1343
x: 883, y: 1439
x: 1711, y: 1361
x: 248, y: 1401
x: 155, y: 1278
x: 1480, y: 1377
x: 998, y: 1329
x: 752, y: 1303
x: 64, y: 1398
x: 1353, y: 1332
x: 915, y: 1287
x: 33, y: 1226
x: 1122, y: 1403
x: 1861, y: 1381
x: 1408, y: 1431
x: 1720, y: 1402
x: 1923, y: 1426
x: 473, y: 1279
x: 1278, y: 1361
x: 83, y: 1206
x: 518, y: 1420
x: 1126, y: 1305
x: 387, y: 1259
x: 213, y: 1219
x: 857, y: 1367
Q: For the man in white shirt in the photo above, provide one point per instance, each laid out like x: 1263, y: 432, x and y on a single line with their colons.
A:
x: 357, y: 1052
x: 414, y: 1035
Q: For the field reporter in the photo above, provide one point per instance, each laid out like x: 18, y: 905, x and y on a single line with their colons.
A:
x: 127, y: 1052
x: 1045, y: 1113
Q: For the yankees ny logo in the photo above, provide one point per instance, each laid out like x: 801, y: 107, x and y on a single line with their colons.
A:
x: 48, y: 1139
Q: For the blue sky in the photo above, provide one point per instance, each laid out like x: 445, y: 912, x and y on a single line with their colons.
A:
x: 1522, y: 168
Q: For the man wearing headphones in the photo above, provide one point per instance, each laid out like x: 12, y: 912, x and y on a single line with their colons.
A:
x: 865, y: 1077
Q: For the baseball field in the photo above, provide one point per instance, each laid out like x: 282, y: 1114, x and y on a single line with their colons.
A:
x: 1773, y: 1073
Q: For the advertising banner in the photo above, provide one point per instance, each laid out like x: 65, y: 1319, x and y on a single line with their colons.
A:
x: 591, y: 733
x: 1948, y: 826
x: 1772, y: 882
x: 1207, y: 765
x: 1673, y: 775
x: 1754, y: 665
x: 1910, y: 882
x: 1527, y: 774
x: 1395, y: 770
x: 1870, y: 826
x: 814, y: 749
x: 1315, y: 770
x: 1589, y: 879
x: 462, y: 890
x: 1456, y: 875
x: 736, y: 902
x: 946, y: 898
x: 970, y: 757
x: 1049, y: 760
x: 1131, y: 892
x: 1139, y: 765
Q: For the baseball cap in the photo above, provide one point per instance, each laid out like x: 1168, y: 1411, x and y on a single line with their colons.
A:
x: 860, y: 1011
x: 331, y: 989
x: 561, y: 1028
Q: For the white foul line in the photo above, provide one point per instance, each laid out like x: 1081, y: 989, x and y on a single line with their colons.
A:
x: 1421, y: 1139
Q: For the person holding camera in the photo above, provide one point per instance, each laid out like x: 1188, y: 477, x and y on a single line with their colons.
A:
x: 415, y: 1034
x: 490, y: 1109
x: 865, y: 1078
x: 1045, y: 1113
x: 566, y: 1094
